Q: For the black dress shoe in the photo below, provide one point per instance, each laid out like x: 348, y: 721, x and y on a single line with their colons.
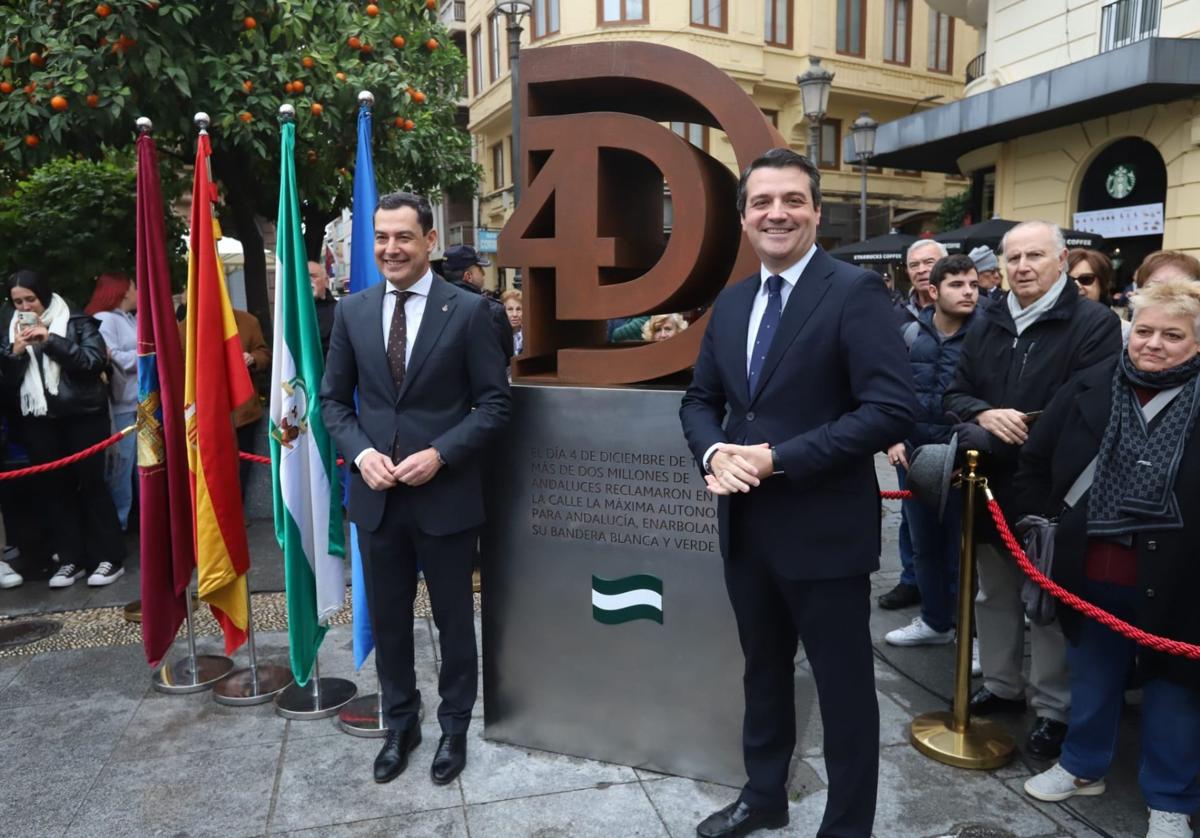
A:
x: 393, y: 756
x: 450, y: 759
x: 901, y: 596
x: 985, y: 703
x: 1046, y: 738
x: 739, y: 819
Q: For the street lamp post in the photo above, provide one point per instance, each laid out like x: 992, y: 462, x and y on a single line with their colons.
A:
x: 515, y: 11
x: 815, y: 83
x: 863, y: 132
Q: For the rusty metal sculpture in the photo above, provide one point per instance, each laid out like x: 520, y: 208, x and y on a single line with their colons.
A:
x: 588, y: 232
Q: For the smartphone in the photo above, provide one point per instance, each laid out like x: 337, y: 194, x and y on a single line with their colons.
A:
x: 26, y: 319
x: 1031, y: 416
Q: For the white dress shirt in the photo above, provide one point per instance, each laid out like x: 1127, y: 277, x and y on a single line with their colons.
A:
x: 791, y: 276
x: 414, y: 311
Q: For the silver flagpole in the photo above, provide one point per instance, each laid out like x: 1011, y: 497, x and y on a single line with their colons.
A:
x: 258, y: 683
x: 323, y: 697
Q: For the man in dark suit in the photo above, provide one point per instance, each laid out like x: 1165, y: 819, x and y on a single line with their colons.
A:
x: 463, y: 268
x: 432, y: 394
x: 801, y: 378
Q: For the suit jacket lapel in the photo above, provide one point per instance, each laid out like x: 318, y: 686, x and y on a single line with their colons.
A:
x: 743, y: 301
x: 438, y: 308
x: 374, y: 361
x: 803, y: 300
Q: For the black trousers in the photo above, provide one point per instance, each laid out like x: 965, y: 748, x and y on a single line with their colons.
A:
x: 73, y: 502
x: 390, y: 558
x: 831, y: 617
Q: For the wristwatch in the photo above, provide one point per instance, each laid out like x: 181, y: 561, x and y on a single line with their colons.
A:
x: 776, y: 465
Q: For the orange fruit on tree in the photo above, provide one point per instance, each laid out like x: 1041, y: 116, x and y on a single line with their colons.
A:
x: 249, y: 22
x: 245, y: 116
x: 298, y: 86
x: 431, y: 5
x: 418, y: 97
x: 59, y: 103
x: 367, y: 49
x: 340, y: 76
x: 32, y: 86
x: 287, y: 87
x: 398, y: 122
x: 317, y: 108
x: 409, y: 125
x: 353, y: 42
x: 309, y: 62
x: 35, y: 58
x: 398, y: 42
x: 32, y: 140
x: 372, y: 10
x: 6, y: 87
x: 247, y: 85
x: 7, y: 62
x: 103, y: 10
x: 432, y: 44
x: 92, y: 100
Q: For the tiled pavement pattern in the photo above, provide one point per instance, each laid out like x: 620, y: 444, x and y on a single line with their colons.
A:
x: 87, y: 748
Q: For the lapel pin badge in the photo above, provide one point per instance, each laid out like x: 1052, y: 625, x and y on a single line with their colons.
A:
x: 445, y: 306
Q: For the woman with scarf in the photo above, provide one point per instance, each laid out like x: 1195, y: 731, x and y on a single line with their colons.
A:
x: 1128, y: 545
x: 59, y: 357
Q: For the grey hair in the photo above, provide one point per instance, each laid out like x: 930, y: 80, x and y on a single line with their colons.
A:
x: 1060, y: 242
x: 941, y: 248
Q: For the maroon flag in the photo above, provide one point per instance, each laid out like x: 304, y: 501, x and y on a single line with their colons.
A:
x: 167, y: 547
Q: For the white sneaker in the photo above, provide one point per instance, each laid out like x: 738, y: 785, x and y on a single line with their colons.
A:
x: 9, y: 578
x: 66, y: 576
x: 976, y: 666
x: 105, y: 574
x: 918, y: 633
x: 1057, y: 783
x: 1169, y: 825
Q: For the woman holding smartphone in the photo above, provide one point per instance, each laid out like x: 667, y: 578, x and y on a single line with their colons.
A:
x: 59, y: 357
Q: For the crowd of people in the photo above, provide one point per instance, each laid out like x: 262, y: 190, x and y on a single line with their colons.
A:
x: 1082, y: 403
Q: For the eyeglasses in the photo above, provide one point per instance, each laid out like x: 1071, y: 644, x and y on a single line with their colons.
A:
x: 1085, y: 280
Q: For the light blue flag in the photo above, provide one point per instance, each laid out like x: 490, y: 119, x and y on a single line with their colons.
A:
x: 363, y: 274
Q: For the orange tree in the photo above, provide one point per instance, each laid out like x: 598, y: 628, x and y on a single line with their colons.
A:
x: 75, y: 74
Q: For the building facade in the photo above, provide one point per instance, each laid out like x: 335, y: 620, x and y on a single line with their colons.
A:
x: 889, y: 57
x: 1080, y: 112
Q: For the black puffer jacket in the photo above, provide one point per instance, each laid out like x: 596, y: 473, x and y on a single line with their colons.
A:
x: 998, y: 368
x: 82, y: 357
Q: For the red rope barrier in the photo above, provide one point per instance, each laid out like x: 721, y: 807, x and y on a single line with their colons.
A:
x: 904, y: 494
x: 266, y: 461
x: 66, y: 461
x: 1142, y: 638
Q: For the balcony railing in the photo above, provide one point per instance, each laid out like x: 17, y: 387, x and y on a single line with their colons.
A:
x: 453, y: 11
x: 976, y: 67
x: 1126, y: 21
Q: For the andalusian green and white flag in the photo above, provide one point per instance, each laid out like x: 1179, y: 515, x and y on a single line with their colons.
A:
x: 637, y: 597
x: 308, y: 508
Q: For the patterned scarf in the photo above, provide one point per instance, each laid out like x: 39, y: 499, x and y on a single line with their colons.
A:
x: 1136, y: 467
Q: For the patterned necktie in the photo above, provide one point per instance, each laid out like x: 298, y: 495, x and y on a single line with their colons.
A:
x: 398, y: 338
x: 767, y: 328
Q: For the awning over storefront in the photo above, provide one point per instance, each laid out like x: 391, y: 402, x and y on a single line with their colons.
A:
x: 1148, y: 72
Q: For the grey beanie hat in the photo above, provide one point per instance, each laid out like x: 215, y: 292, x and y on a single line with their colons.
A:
x: 984, y: 259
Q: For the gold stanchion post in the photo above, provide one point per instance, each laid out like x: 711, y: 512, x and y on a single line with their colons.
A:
x: 953, y: 737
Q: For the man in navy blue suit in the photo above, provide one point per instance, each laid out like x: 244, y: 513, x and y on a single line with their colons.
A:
x: 802, y: 377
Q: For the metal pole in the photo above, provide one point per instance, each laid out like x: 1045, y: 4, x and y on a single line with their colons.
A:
x: 862, y: 204
x: 514, y: 52
x: 379, y: 696
x: 953, y: 738
x: 316, y: 683
x: 193, y: 673
x: 191, y: 631
x: 814, y: 140
x: 257, y: 683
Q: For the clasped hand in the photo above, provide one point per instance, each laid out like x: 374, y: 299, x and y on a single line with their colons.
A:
x: 738, y: 468
x: 380, y: 473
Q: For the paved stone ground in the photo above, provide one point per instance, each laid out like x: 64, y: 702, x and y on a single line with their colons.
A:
x: 87, y: 748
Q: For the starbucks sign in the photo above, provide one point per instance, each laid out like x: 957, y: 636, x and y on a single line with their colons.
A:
x: 1120, y: 182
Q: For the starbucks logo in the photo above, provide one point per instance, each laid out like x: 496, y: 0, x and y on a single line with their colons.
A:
x: 1120, y: 182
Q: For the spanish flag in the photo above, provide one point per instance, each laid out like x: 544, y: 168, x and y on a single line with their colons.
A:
x: 215, y: 380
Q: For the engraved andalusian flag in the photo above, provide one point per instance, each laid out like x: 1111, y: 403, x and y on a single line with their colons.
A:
x: 308, y: 503
x: 637, y: 597
x: 215, y: 381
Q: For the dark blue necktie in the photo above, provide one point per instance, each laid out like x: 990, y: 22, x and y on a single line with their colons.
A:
x: 767, y: 328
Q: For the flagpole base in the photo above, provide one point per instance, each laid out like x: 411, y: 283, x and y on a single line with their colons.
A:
x: 983, y: 745
x: 133, y: 612
x: 361, y: 717
x: 242, y: 688
x: 299, y: 703
x: 182, y: 677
